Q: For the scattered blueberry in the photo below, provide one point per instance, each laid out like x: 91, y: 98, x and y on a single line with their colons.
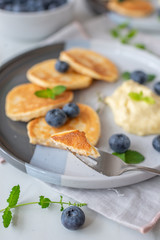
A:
x: 157, y: 87
x: 139, y: 76
x: 119, y: 143
x: 71, y: 110
x: 61, y: 66
x: 72, y: 218
x: 156, y: 143
x: 56, y: 117
x: 30, y: 5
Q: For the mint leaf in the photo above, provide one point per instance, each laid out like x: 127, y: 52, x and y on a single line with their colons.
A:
x: 130, y: 157
x: 126, y: 75
x: 149, y: 100
x: 120, y: 155
x: 133, y: 157
x: 139, y: 97
x: 136, y: 96
x: 14, y: 196
x: 50, y: 93
x: 58, y: 90
x: 132, y: 33
x: 123, y: 25
x: 44, y: 202
x: 124, y: 40
x: 150, y: 77
x: 7, y: 217
x: 140, y: 45
x: 47, y: 93
x: 114, y: 33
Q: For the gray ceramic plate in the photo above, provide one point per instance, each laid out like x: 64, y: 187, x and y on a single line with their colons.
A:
x: 57, y: 166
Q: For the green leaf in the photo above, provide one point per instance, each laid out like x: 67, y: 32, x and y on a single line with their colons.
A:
x: 124, y: 40
x: 123, y: 25
x: 132, y: 33
x: 126, y: 75
x: 136, y: 96
x: 58, y: 90
x: 47, y: 93
x: 150, y: 77
x: 130, y: 157
x: 44, y: 202
x: 139, y: 97
x: 50, y: 93
x: 114, y: 33
x: 140, y: 45
x: 149, y: 100
x: 133, y: 157
x: 120, y: 155
x: 7, y: 217
x: 14, y: 196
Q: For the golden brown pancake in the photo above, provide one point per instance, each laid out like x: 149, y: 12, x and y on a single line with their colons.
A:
x: 40, y: 132
x: 75, y: 141
x: 131, y: 8
x: 90, y: 64
x: 44, y: 74
x: 23, y: 105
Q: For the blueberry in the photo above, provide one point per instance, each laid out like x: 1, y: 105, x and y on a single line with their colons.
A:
x: 61, y: 66
x: 71, y: 110
x: 119, y: 143
x: 139, y: 76
x: 156, y: 143
x: 157, y: 87
x: 56, y: 117
x: 72, y: 217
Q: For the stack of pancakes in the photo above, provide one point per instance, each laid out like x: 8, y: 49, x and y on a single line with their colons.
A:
x: 23, y: 105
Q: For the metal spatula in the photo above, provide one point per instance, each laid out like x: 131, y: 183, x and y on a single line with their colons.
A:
x: 110, y: 165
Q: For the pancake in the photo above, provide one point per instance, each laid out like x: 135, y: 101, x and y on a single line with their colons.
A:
x: 75, y: 141
x: 40, y: 132
x: 23, y: 105
x: 131, y: 8
x: 90, y: 63
x: 44, y: 74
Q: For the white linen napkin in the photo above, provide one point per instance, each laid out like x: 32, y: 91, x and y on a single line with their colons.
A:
x: 136, y: 206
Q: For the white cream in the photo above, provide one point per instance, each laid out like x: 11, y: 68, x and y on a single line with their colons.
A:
x: 137, y: 117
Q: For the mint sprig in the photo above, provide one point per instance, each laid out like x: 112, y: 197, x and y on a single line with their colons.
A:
x: 140, y: 97
x: 130, y: 157
x: 125, y: 35
x: 43, y: 202
x: 50, y: 92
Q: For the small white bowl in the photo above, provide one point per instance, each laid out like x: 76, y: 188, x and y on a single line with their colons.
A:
x: 32, y: 26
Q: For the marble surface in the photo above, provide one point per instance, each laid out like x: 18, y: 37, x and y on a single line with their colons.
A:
x: 32, y: 222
